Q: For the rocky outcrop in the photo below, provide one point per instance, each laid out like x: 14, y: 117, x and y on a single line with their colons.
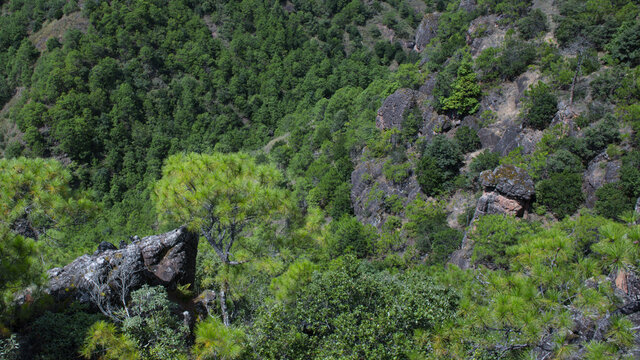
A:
x: 484, y: 33
x: 601, y: 171
x: 370, y: 190
x: 168, y: 259
x: 391, y: 113
x: 508, y: 190
x: 427, y: 30
x: 509, y: 181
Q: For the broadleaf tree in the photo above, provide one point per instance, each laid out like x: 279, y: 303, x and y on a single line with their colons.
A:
x: 222, y: 196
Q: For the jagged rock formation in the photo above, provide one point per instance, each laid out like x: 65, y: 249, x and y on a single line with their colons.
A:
x: 507, y: 190
x: 167, y: 259
x: 390, y: 114
x: 370, y: 188
x: 427, y: 30
x: 601, y: 171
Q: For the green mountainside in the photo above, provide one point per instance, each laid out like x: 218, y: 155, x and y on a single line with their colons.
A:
x: 402, y: 179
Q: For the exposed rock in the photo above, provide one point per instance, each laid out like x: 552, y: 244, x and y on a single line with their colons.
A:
x: 370, y: 188
x: 507, y: 190
x: 601, y: 171
x: 528, y: 139
x: 205, y: 302
x: 509, y: 181
x: 427, y: 30
x: 508, y: 141
x: 104, y: 246
x: 390, y: 114
x: 468, y: 5
x: 168, y: 259
x: 488, y: 138
x: 484, y: 33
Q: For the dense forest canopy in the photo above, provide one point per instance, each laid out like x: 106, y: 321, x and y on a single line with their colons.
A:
x: 400, y: 179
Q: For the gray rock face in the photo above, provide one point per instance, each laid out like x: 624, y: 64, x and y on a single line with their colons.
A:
x: 468, y: 5
x: 168, y: 259
x: 600, y: 171
x: 509, y: 181
x: 390, y: 114
x: 508, y: 141
x: 370, y: 188
x: 427, y: 30
x: 507, y: 190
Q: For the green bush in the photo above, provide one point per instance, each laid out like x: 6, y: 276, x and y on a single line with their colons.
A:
x: 486, y: 160
x: 154, y: 325
x: 630, y: 174
x: 55, y: 336
x: 612, y: 201
x: 467, y: 139
x: 540, y: 106
x: 533, y: 24
x: 563, y: 161
x: 350, y: 311
x: 349, y: 236
x: 561, y: 193
x: 440, y: 163
x: 465, y: 92
x: 493, y: 234
x: 625, y: 46
x: 396, y: 173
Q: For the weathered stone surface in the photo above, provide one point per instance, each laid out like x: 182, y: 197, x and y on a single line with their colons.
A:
x: 507, y: 190
x: 601, y: 171
x: 427, y: 30
x: 488, y: 138
x: 509, y: 181
x: 494, y: 203
x: 484, y: 33
x: 508, y: 141
x: 390, y: 114
x: 468, y: 5
x: 168, y: 259
x: 370, y: 188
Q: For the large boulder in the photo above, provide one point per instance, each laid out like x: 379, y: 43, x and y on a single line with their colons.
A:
x: 168, y: 259
x: 427, y: 30
x: 391, y: 113
x: 510, y: 181
x: 508, y: 190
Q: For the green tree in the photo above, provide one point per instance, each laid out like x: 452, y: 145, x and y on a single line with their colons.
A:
x: 540, y: 106
x: 215, y: 341
x: 465, y: 92
x: 561, y: 193
x: 222, y: 196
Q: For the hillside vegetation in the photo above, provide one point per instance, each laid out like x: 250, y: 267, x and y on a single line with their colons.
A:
x: 401, y: 179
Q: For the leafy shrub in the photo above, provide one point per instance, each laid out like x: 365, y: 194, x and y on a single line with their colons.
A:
x: 625, y: 46
x: 468, y: 139
x: 154, y: 325
x: 349, y: 236
x: 533, y: 24
x: 563, y: 161
x: 440, y: 163
x: 561, y: 193
x: 612, y: 201
x: 486, y: 160
x: 540, y: 106
x: 55, y: 336
x: 443, y: 244
x: 630, y: 174
x: 396, y: 173
x: 465, y: 92
x: 352, y: 311
x: 493, y: 234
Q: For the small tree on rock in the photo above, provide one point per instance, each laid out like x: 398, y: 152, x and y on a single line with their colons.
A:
x: 222, y: 196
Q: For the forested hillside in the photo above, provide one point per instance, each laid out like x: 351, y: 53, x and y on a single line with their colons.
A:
x: 406, y: 179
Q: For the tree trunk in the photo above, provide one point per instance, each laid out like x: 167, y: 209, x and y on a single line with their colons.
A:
x: 223, y: 303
